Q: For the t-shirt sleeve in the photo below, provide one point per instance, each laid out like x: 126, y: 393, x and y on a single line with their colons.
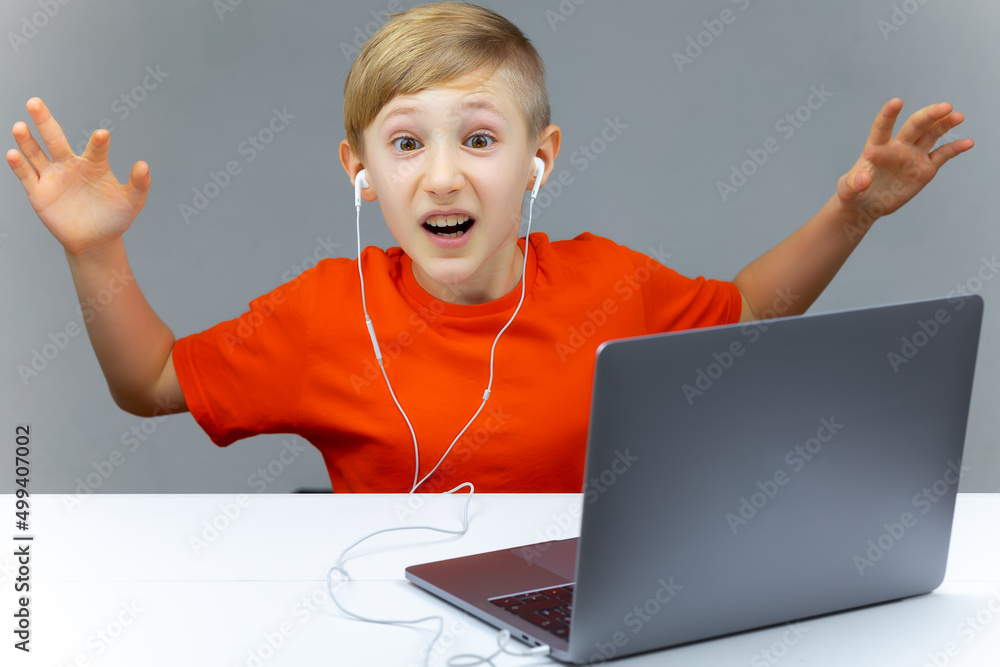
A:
x: 245, y: 376
x: 674, y: 302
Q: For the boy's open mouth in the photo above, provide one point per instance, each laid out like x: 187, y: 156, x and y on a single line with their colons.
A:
x: 452, y: 231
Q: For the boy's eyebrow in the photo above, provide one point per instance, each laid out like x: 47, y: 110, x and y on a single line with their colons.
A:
x: 468, y: 105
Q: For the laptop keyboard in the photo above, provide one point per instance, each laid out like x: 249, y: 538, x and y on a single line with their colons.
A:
x: 548, y: 608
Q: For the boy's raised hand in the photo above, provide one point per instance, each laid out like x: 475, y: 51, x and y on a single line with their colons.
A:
x: 76, y: 196
x: 891, y: 171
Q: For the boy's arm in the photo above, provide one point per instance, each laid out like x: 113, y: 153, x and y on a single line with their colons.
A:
x: 133, y: 345
x: 81, y: 202
x: 789, y: 277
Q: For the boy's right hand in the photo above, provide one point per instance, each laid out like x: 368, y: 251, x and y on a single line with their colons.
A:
x: 76, y: 197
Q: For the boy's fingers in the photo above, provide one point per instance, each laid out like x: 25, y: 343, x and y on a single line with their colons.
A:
x: 847, y: 189
x: 49, y: 130
x: 23, y: 171
x: 921, y: 120
x: 32, y: 152
x: 938, y: 130
x: 98, y: 146
x: 948, y: 151
x: 882, y: 127
x: 138, y: 179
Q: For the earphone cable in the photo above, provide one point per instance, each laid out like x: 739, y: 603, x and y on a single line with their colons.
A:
x: 378, y: 353
x: 504, y: 636
x: 378, y: 357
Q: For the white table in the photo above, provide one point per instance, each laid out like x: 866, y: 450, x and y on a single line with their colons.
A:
x: 116, y: 581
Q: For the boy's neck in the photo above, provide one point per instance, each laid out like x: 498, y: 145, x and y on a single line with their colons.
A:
x: 478, y: 289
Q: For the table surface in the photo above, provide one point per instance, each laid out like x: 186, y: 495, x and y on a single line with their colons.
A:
x: 240, y: 581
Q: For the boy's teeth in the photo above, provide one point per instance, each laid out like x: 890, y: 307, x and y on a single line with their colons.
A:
x: 441, y: 225
x: 446, y: 221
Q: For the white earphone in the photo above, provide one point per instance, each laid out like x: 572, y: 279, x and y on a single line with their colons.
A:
x: 360, y: 181
x: 539, y: 170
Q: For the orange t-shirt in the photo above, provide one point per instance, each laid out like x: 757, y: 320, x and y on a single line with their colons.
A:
x: 301, y: 361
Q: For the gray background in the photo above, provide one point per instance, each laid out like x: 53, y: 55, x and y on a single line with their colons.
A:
x: 605, y: 61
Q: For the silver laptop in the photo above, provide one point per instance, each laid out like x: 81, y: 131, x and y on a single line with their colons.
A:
x: 746, y: 475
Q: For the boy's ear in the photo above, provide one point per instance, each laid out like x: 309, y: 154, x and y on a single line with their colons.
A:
x: 353, y: 166
x: 548, y: 149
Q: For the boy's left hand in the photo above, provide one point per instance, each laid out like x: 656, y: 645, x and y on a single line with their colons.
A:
x: 891, y: 171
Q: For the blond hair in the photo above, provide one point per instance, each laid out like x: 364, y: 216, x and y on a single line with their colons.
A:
x: 434, y: 45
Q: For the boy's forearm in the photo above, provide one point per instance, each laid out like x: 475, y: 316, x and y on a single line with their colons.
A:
x: 795, y: 272
x: 131, y: 342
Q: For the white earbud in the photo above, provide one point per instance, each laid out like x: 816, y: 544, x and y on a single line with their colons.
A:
x: 539, y: 170
x: 360, y: 182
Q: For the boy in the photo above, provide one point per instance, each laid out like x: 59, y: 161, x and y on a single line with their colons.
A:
x: 445, y: 108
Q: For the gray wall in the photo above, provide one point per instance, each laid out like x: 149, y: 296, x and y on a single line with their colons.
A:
x: 605, y: 61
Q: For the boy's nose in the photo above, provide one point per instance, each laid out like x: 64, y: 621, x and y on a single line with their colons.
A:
x: 443, y: 177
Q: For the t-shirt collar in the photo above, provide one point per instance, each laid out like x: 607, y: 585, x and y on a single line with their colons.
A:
x: 506, y: 302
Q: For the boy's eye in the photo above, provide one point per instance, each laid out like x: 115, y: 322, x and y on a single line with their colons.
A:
x: 480, y: 139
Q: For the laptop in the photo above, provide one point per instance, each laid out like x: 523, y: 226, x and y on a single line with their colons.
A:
x: 742, y: 476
